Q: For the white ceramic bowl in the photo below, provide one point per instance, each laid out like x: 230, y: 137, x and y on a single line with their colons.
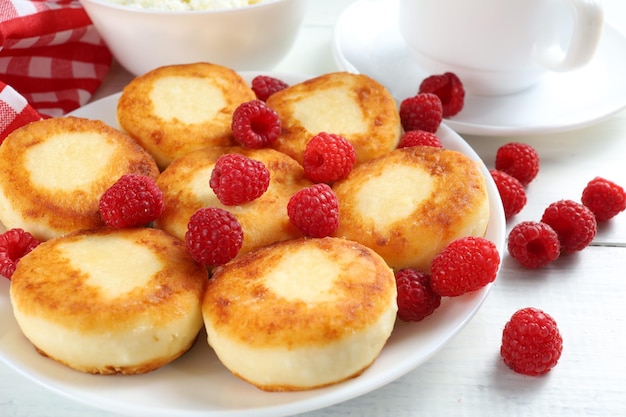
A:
x: 249, y: 38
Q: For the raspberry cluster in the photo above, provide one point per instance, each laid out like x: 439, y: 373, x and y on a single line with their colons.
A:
x: 466, y: 264
x: 566, y: 225
x: 516, y: 165
x: 531, y: 342
x: 470, y: 263
x: 214, y: 235
x: 438, y: 96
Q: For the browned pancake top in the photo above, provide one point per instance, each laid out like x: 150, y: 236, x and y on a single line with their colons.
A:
x: 176, y: 109
x: 56, y: 281
x: 352, y: 105
x: 303, y: 292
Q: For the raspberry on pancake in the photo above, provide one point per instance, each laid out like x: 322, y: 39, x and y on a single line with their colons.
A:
x: 55, y: 171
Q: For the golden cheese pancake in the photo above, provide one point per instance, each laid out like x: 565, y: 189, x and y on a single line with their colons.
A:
x: 410, y: 203
x: 185, y: 185
x: 55, y: 170
x: 109, y: 301
x: 176, y: 109
x: 300, y: 314
x: 354, y: 106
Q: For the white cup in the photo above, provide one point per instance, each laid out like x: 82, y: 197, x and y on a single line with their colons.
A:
x: 500, y: 46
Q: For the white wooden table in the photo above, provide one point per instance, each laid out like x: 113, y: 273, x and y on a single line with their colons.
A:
x: 584, y: 292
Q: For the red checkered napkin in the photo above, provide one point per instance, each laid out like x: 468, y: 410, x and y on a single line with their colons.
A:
x: 51, y: 60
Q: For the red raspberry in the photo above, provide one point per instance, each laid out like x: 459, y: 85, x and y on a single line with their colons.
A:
x: 255, y: 125
x: 604, y: 198
x: 519, y: 160
x: 531, y: 342
x: 419, y: 138
x: 421, y: 112
x: 574, y: 223
x: 466, y: 264
x: 511, y: 192
x: 133, y: 201
x: 14, y: 244
x: 214, y: 236
x: 314, y: 210
x: 416, y: 300
x: 237, y: 179
x: 533, y: 244
x: 449, y: 88
x: 264, y: 86
x: 328, y: 157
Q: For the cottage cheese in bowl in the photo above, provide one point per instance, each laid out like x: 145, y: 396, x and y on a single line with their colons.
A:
x: 177, y: 5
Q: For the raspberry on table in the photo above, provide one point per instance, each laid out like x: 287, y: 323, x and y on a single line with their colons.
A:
x: 604, y: 198
x: 416, y: 300
x: 237, y: 179
x: 328, y: 157
x: 14, y: 244
x: 214, y: 236
x: 512, y: 192
x: 449, y: 88
x: 421, y: 112
x: 466, y: 264
x: 419, y: 138
x: 255, y: 125
x: 533, y: 244
x: 264, y: 86
x: 314, y: 210
x: 519, y: 160
x: 133, y: 201
x: 531, y: 342
x: 574, y: 223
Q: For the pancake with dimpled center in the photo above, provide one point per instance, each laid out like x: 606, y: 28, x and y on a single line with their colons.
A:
x: 409, y: 204
x: 59, y: 168
x: 110, y: 300
x: 300, y: 314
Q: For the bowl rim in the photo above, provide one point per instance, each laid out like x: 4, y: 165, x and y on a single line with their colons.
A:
x: 145, y: 10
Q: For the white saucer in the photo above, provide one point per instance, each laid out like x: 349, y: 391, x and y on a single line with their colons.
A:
x: 366, y: 40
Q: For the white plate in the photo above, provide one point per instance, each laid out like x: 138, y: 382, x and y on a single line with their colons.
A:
x: 367, y: 40
x: 198, y: 385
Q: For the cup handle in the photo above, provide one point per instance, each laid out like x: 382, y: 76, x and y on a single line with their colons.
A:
x: 586, y: 30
